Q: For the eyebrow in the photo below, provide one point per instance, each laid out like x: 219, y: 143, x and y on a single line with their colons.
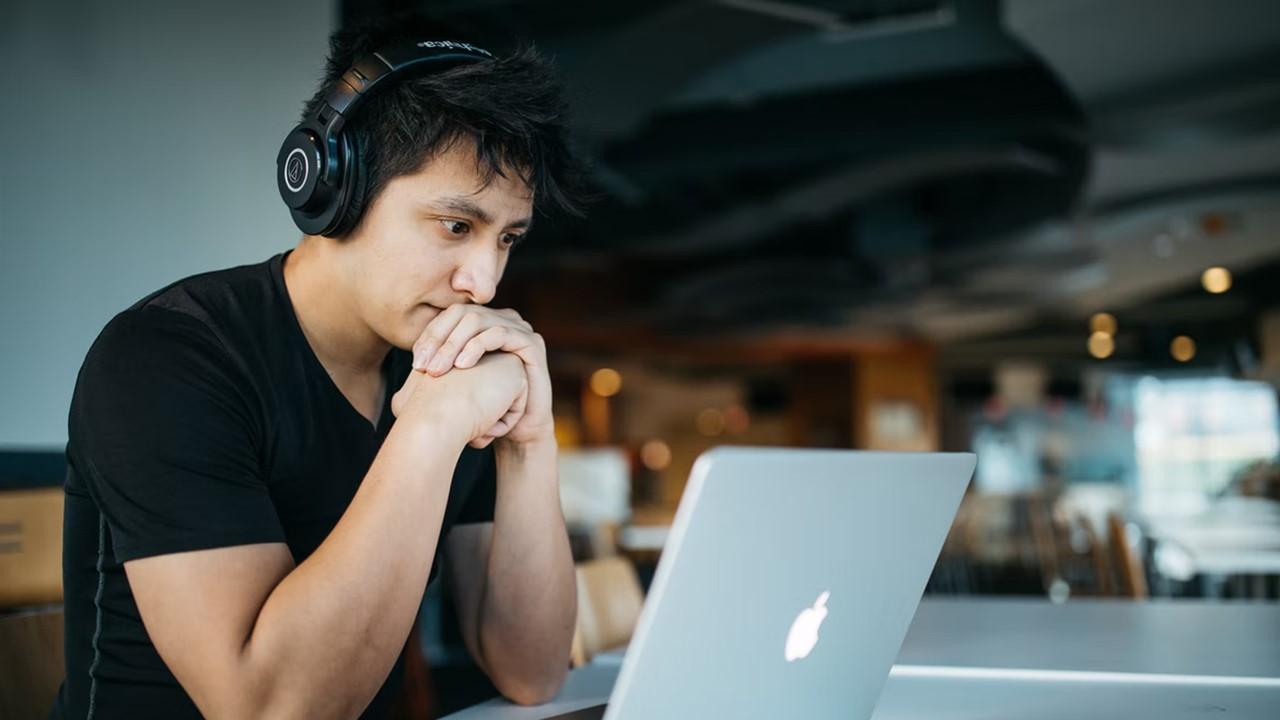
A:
x: 467, y: 207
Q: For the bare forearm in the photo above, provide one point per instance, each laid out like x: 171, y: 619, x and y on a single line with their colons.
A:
x: 530, y: 601
x: 329, y: 633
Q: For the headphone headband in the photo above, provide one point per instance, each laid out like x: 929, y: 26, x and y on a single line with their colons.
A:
x: 368, y: 72
x: 316, y: 162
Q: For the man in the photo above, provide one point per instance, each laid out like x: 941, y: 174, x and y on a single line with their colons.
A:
x: 247, y: 533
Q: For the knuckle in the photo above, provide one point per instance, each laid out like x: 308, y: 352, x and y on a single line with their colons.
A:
x: 514, y: 316
x: 470, y: 322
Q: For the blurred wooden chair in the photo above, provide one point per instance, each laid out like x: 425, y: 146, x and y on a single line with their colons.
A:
x: 31, y: 630
x: 1073, y: 558
x: 31, y: 662
x: 1099, y: 560
x: 609, y: 603
x: 1130, y: 570
x: 1049, y: 538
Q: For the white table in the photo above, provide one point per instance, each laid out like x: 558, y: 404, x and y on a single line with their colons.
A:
x: 1234, y: 536
x: 1237, y: 537
x: 997, y: 659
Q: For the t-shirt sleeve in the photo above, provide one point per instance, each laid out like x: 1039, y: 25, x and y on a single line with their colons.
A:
x: 161, y: 418
x: 479, y: 503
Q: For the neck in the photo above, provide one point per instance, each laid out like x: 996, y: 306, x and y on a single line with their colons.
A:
x: 327, y: 312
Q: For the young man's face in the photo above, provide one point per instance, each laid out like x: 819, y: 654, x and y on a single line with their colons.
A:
x: 432, y: 239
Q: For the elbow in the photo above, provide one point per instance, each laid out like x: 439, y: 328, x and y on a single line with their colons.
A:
x: 294, y: 698
x: 532, y: 690
x: 530, y: 694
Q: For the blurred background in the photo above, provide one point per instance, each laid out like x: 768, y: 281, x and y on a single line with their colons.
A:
x: 1045, y: 231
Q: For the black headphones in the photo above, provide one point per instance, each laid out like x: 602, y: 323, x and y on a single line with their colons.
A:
x: 318, y: 169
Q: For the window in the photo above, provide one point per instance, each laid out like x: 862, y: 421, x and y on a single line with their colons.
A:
x: 1194, y: 435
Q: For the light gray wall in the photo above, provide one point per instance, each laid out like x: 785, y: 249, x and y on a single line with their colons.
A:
x: 137, y: 146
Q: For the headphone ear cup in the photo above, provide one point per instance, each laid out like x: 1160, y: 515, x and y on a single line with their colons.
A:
x: 298, y: 169
x: 310, y: 182
x: 354, y: 179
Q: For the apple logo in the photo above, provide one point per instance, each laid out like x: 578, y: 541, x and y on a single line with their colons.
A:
x: 804, y: 631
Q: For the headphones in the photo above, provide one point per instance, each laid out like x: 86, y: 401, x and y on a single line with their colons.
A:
x: 318, y: 168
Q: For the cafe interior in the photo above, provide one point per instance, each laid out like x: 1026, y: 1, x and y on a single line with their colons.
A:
x: 1046, y: 232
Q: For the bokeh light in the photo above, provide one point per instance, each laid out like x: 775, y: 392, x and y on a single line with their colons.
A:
x: 1216, y: 280
x: 1103, y: 323
x: 655, y: 455
x: 1183, y: 349
x: 606, y: 382
x: 1101, y: 345
x: 737, y: 419
x: 710, y: 422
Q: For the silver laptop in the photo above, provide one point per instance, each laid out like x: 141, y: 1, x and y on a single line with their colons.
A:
x: 787, y: 584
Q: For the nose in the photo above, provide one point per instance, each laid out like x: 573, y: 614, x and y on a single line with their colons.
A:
x: 477, y: 276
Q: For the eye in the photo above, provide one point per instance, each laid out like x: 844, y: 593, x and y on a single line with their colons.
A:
x: 455, y: 227
x: 510, y: 240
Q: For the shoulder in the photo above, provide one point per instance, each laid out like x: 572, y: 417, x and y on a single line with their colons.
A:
x: 149, y: 332
x: 207, y: 320
x: 218, y: 296
x: 150, y: 357
x: 150, y: 350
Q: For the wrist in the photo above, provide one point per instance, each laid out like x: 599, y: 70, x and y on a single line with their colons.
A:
x: 438, y: 426
x: 541, y: 448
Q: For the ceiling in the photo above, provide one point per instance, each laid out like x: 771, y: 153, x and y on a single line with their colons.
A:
x: 955, y: 170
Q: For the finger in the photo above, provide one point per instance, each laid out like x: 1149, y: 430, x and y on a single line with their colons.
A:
x: 435, y: 333
x: 444, y: 329
x: 512, y: 315
x: 468, y: 327
x: 505, y: 424
x: 495, y: 338
x: 512, y: 417
x: 528, y: 346
x: 490, y: 331
x: 516, y: 413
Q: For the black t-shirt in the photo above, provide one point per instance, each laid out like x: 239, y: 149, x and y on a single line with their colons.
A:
x: 202, y: 419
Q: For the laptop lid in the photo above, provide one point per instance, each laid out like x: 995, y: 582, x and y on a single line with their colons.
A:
x: 788, y: 582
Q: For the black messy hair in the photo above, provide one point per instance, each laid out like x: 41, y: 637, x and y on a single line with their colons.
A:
x: 512, y: 109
